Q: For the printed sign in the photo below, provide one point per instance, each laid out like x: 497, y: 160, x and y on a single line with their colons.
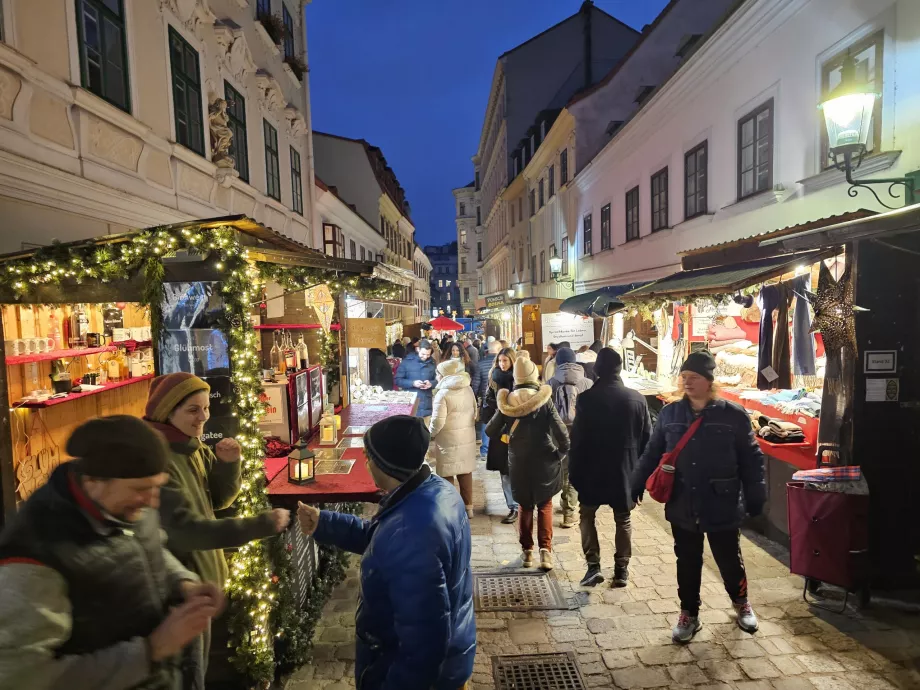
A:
x: 217, y: 428
x: 221, y: 392
x: 199, y: 351
x: 366, y: 333
x: 495, y: 300
x: 561, y: 327
x: 882, y: 390
x: 274, y: 408
x: 881, y: 362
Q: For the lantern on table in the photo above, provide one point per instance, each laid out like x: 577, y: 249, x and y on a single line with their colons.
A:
x: 301, y: 465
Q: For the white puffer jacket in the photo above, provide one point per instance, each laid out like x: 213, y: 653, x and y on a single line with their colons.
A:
x: 453, y: 426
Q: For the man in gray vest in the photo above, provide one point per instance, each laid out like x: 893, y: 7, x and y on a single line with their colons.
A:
x: 89, y: 595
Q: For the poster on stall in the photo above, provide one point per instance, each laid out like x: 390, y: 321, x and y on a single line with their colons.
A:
x: 561, y: 327
x: 366, y: 333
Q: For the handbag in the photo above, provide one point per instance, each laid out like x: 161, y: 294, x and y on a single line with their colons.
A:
x: 661, y: 483
x: 506, y: 438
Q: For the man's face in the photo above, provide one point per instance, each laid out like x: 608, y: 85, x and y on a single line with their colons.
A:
x: 125, y: 499
x: 424, y: 354
x: 694, y: 385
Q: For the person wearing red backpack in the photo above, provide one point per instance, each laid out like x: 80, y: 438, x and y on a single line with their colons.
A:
x: 718, y: 475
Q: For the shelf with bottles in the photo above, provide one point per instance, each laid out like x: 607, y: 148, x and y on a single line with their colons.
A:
x: 70, y: 397
x: 67, y: 354
x: 286, y: 355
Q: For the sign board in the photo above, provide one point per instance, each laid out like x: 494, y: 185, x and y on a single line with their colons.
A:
x: 366, y: 333
x: 881, y: 362
x: 882, y: 390
x: 495, y: 300
x: 561, y: 327
x: 272, y: 396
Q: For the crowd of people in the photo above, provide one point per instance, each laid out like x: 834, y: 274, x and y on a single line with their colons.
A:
x: 111, y: 573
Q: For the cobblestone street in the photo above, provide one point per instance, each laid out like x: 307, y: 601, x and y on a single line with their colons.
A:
x: 621, y: 637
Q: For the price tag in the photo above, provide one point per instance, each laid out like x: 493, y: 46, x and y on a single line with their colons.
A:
x: 769, y: 373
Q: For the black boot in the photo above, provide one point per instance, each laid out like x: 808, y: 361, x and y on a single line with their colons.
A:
x: 510, y: 518
x: 592, y: 577
x: 620, y: 575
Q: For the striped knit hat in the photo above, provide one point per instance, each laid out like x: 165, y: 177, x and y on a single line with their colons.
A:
x: 167, y: 391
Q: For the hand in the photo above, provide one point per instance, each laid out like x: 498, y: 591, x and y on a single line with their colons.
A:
x: 228, y: 450
x: 181, y: 626
x: 203, y: 590
x: 308, y: 517
x: 418, y: 384
x: 637, y: 496
x: 754, y: 509
x: 281, y: 518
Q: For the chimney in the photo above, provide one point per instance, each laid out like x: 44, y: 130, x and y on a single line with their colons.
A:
x: 586, y: 9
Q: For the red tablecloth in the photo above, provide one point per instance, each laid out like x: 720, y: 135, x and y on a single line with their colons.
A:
x: 357, y: 485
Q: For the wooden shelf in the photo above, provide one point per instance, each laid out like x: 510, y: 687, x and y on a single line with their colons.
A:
x: 64, y: 354
x: 76, y: 396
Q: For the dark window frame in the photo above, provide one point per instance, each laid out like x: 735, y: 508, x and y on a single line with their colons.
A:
x: 296, y: 182
x: 186, y: 90
x: 551, y: 181
x: 533, y: 269
x: 541, y: 194
x: 633, y: 229
x: 104, y: 16
x: 587, y: 228
x: 533, y: 202
x: 236, y: 115
x: 605, y: 227
x: 565, y: 256
x: 272, y: 161
x: 353, y: 249
x: 542, y: 265
x: 332, y: 238
x: 699, y: 155
x: 288, y: 41
x: 563, y: 167
x: 752, y: 116
x: 660, y: 218
x: 263, y: 8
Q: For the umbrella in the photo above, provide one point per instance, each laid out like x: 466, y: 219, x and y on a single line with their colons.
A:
x: 442, y: 323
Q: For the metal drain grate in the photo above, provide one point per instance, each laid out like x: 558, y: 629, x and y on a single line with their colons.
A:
x: 516, y: 592
x: 537, y: 672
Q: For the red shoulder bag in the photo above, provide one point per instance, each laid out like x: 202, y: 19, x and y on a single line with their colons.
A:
x: 661, y: 483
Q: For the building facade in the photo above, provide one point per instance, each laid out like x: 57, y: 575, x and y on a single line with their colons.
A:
x: 213, y: 120
x: 466, y: 200
x: 446, y: 291
x: 422, y: 269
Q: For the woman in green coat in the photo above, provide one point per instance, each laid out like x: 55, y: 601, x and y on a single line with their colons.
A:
x: 201, y: 481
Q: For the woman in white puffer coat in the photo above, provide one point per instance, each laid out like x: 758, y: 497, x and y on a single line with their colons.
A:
x: 453, y: 428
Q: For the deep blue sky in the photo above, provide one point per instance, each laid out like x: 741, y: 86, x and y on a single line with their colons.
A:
x: 413, y: 77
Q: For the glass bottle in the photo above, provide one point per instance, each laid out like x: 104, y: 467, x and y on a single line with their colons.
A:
x: 55, y: 332
x: 290, y: 356
x: 113, y: 367
x: 275, y: 355
x: 79, y: 326
x: 303, y: 354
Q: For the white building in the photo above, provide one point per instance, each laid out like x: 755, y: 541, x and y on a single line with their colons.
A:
x: 467, y: 202
x: 91, y: 146
x: 422, y: 269
x: 353, y: 229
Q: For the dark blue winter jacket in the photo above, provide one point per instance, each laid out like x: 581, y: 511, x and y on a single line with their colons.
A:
x: 415, y: 628
x: 721, y: 465
x: 414, y: 369
x: 482, y: 386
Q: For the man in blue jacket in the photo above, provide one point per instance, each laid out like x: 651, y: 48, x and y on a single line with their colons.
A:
x: 415, y: 628
x: 418, y: 372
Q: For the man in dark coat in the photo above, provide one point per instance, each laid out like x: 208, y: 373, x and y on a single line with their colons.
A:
x: 470, y: 350
x: 415, y: 625
x: 611, y: 429
x: 87, y: 587
x: 485, y: 366
x: 399, y: 350
x: 380, y: 373
x: 418, y: 372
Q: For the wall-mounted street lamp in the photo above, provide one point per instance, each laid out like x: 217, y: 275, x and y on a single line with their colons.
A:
x: 555, y: 270
x: 511, y: 292
x: 848, y: 118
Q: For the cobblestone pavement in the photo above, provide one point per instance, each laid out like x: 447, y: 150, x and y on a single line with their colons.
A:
x: 621, y: 637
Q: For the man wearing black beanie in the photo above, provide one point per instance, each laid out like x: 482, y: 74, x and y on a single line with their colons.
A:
x: 85, y: 581
x: 416, y: 600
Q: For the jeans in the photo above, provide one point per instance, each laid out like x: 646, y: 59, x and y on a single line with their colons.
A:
x: 544, y: 526
x: 569, y: 495
x: 506, y: 489
x: 481, y: 433
x: 591, y: 545
x: 726, y: 550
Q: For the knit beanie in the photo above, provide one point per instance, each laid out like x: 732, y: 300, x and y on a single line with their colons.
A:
x: 596, y: 346
x: 608, y: 365
x: 118, y: 447
x: 450, y: 367
x: 565, y: 355
x: 702, y: 363
x: 525, y: 371
x: 397, y: 445
x: 167, y: 391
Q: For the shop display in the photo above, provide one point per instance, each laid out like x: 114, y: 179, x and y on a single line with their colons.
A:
x: 371, y: 395
x: 301, y: 465
x: 334, y: 466
x: 356, y: 430
x: 351, y: 442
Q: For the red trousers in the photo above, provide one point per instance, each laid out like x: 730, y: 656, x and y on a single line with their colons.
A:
x: 544, y: 526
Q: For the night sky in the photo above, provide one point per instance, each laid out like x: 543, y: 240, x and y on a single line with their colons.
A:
x: 413, y: 77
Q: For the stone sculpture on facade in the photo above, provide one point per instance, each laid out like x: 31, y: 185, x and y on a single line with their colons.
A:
x: 221, y: 138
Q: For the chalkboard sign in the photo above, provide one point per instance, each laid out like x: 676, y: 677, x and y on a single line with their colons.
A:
x: 112, y: 318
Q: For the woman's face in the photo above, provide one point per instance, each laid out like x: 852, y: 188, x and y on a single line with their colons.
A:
x: 191, y: 414
x: 694, y: 385
x: 504, y: 363
x: 455, y: 351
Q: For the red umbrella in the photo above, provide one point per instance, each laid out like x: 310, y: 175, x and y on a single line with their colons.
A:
x: 442, y: 323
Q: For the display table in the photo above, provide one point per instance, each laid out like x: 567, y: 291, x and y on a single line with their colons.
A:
x: 357, y: 485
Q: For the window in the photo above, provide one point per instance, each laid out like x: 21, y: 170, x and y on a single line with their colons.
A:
x: 695, y: 185
x: 542, y: 199
x: 755, y: 151
x: 478, y: 216
x: 533, y: 145
x: 868, y: 57
x: 479, y: 251
x: 551, y: 176
x: 462, y: 209
x: 236, y: 116
x: 333, y: 242
x: 463, y: 265
x: 660, y: 200
x: 520, y: 209
x: 632, y: 214
x: 511, y: 208
x: 533, y: 270
x: 542, y: 266
x: 353, y: 248
x: 263, y: 8
x: 288, y: 21
x: 466, y: 294
x: 565, y: 256
x: 272, y: 172
x: 296, y: 182
x: 605, y: 227
x: 463, y: 238
x: 446, y: 283
x: 183, y: 61
x: 521, y: 258
x: 587, y: 233
x: 440, y: 283
x: 477, y: 180
x: 480, y: 286
x: 543, y: 130
x: 103, y: 58
x: 533, y: 203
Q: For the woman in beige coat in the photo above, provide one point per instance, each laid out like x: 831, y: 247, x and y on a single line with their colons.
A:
x: 453, y: 428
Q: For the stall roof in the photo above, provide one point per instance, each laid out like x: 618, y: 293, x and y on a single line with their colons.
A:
x: 722, y: 279
x: 601, y: 302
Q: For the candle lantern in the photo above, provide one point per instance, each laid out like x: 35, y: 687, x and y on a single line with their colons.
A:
x: 301, y: 465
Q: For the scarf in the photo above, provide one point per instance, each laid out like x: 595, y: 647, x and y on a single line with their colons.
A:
x: 501, y: 379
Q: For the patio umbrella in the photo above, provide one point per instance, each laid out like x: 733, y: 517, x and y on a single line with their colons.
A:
x: 442, y: 323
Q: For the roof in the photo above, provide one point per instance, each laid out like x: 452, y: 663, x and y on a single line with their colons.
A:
x: 722, y: 279
x: 601, y: 302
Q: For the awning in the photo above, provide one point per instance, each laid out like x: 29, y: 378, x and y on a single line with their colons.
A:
x: 724, y: 279
x: 602, y: 302
x: 394, y: 274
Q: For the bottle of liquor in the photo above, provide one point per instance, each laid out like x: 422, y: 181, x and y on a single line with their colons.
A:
x: 55, y: 332
x: 290, y: 355
x: 275, y: 355
x: 303, y: 355
x: 79, y: 326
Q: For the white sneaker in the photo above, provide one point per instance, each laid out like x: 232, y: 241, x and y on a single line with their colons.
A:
x: 747, y: 621
x: 687, y: 626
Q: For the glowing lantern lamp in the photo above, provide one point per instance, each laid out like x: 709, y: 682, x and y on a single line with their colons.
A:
x: 301, y: 465
x: 848, y: 113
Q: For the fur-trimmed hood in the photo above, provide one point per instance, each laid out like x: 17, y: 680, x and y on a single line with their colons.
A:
x: 586, y: 356
x: 522, y: 401
x: 453, y: 382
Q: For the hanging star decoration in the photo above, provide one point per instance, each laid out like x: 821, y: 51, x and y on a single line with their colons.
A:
x: 834, y: 310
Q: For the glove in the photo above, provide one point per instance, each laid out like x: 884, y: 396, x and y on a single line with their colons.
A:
x: 754, y: 509
x: 637, y: 495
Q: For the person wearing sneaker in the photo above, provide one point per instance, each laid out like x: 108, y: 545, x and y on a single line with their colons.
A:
x: 719, y: 476
x: 500, y: 377
x: 611, y: 429
x: 537, y: 440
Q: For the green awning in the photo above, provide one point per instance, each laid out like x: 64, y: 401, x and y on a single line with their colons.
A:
x: 602, y: 302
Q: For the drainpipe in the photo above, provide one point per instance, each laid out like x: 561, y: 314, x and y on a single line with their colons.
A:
x: 586, y: 10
